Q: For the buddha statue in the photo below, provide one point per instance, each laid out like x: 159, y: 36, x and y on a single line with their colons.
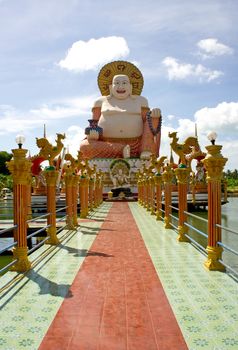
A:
x: 124, y: 124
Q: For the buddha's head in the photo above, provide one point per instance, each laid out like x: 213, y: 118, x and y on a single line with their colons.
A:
x: 121, y: 87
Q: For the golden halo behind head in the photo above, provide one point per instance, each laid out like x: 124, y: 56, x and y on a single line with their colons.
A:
x: 111, y: 69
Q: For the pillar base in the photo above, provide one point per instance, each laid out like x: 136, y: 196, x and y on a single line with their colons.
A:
x: 158, y: 215
x: 23, y: 264
x: 70, y: 224
x: 152, y: 211
x: 181, y: 234
x: 212, y: 263
x: 75, y: 221
x: 53, y: 240
x: 83, y: 214
x: 167, y: 222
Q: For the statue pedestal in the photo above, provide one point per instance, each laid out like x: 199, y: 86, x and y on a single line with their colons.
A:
x: 117, y: 191
x: 105, y: 164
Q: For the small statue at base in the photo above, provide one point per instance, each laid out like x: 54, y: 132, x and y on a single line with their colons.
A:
x: 120, y: 179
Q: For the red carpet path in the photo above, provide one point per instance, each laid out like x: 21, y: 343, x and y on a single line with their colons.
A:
x: 117, y: 299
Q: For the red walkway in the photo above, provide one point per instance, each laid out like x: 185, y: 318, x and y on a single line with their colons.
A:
x: 117, y: 299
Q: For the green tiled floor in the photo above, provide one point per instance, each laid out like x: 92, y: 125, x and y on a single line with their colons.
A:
x: 28, y: 308
x: 205, y: 303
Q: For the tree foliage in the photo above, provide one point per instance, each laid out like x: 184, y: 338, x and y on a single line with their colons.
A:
x: 232, y: 179
x: 4, y: 157
x: 6, y: 181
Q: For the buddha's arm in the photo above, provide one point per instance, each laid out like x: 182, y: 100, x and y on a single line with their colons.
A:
x: 96, y: 111
x: 144, y: 107
x: 144, y: 111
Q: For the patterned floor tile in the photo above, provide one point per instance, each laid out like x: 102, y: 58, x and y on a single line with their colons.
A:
x: 205, y: 303
x: 29, y: 306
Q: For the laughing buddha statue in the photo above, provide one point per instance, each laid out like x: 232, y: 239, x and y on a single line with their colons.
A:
x: 122, y: 124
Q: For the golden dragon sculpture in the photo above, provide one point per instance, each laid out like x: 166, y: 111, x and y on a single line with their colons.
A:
x: 47, y: 150
x: 182, y: 149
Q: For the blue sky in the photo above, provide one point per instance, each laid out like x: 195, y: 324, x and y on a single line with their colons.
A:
x: 52, y: 51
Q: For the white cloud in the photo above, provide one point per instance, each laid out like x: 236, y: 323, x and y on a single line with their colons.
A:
x: 181, y: 71
x: 165, y: 141
x: 65, y: 108
x: 229, y: 150
x: 170, y: 117
x: 13, y: 120
x: 223, y: 119
x: 212, y: 47
x: 75, y: 135
x: 84, y: 56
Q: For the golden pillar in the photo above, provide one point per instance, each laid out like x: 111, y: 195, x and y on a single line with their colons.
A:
x: 140, y: 189
x: 20, y: 168
x: 87, y: 195
x: 146, y: 182
x: 100, y: 187
x: 143, y: 191
x: 69, y: 197
x: 167, y: 177
x: 97, y: 190
x: 90, y: 193
x: 152, y: 194
x: 28, y: 195
x: 83, y: 195
x: 158, y: 195
x: 148, y: 200
x: 75, y: 195
x: 51, y: 176
x: 214, y: 163
x: 182, y: 174
x: 94, y: 193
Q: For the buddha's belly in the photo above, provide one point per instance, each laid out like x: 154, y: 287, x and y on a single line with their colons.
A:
x: 121, y: 125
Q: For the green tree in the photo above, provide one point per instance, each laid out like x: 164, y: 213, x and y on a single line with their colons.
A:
x: 4, y: 157
x: 6, y: 181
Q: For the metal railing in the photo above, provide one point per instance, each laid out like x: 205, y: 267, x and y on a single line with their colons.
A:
x: 6, y: 248
x: 61, y: 218
x: 33, y: 234
x: 203, y: 234
x: 227, y: 248
x: 42, y: 229
x: 175, y: 218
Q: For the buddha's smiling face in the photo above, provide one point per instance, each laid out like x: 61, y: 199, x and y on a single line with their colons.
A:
x: 121, y: 86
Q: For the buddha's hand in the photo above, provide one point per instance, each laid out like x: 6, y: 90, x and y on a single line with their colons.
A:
x: 93, y: 135
x: 155, y: 113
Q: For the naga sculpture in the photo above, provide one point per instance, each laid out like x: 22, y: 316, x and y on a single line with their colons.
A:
x: 182, y: 149
x: 47, y: 150
x: 159, y: 163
